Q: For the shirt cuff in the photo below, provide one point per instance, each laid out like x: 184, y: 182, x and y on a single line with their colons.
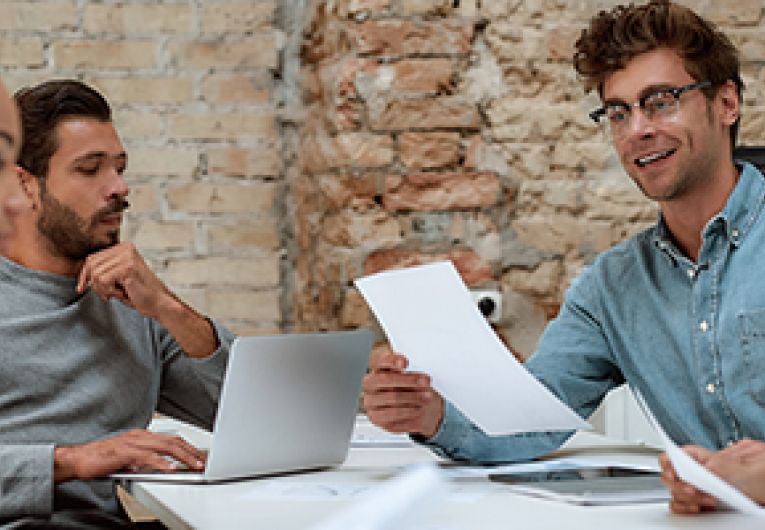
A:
x: 449, y: 439
x: 217, y: 360
x: 26, y: 480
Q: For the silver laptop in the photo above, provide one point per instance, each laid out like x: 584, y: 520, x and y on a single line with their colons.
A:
x: 288, y: 403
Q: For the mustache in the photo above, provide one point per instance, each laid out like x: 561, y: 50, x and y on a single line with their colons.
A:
x: 115, y: 206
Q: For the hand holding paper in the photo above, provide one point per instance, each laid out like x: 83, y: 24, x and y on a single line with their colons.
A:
x: 428, y: 315
x: 697, y: 475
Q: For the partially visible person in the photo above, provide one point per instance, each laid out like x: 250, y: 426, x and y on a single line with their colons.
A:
x: 742, y: 465
x: 11, y: 199
x: 93, y: 341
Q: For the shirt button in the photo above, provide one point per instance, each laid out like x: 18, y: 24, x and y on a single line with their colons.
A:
x: 734, y: 233
x: 691, y: 273
x: 703, y: 326
x: 711, y: 388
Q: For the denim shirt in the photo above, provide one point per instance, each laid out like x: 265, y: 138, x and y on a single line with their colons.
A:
x: 689, y: 336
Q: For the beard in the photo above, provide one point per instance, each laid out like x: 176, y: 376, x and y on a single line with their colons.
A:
x: 70, y: 236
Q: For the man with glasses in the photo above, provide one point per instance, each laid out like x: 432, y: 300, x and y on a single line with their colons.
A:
x: 677, y: 311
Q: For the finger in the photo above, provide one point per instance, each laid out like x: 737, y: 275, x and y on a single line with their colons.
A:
x: 395, y: 415
x: 682, y: 508
x: 390, y: 361
x: 144, y: 459
x: 380, y: 400
x: 700, y: 454
x: 168, y: 445
x: 83, y: 278
x: 181, y: 450
x: 744, y: 449
x: 386, y: 381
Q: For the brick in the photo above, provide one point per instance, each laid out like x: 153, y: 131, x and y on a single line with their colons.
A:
x: 246, y: 305
x: 446, y: 112
x: 26, y: 16
x: 235, y: 161
x: 441, y: 191
x: 139, y: 125
x: 351, y: 229
x: 222, y: 126
x: 195, y: 297
x: 424, y: 75
x: 429, y: 150
x: 400, y: 37
x: 163, y: 161
x: 258, y: 51
x: 143, y: 198
x: 236, y: 88
x: 358, y: 150
x: 237, y: 17
x: 15, y: 81
x: 470, y: 266
x: 560, y: 43
x: 355, y: 312
x: 426, y: 7
x: 219, y: 270
x: 212, y: 198
x: 137, y: 18
x: 164, y: 235
x: 361, y: 8
x: 145, y: 90
x: 263, y: 233
x: 349, y: 191
x: 543, y: 282
x: 250, y: 329
x: 105, y: 54
x: 21, y: 52
x: 743, y: 12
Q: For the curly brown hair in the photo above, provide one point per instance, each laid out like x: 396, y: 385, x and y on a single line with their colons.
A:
x: 615, y: 37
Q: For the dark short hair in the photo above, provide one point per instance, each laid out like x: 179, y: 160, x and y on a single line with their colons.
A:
x: 43, y: 107
x: 615, y: 37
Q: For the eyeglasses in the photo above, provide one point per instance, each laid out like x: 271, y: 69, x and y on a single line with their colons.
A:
x: 656, y: 106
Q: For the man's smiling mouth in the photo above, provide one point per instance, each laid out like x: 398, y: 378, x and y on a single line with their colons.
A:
x: 653, y: 157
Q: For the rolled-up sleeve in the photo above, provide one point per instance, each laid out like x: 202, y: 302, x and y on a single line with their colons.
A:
x: 573, y: 360
x: 190, y: 388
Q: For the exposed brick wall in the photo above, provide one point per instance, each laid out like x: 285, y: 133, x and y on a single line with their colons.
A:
x: 440, y: 129
x: 194, y: 85
x: 413, y: 130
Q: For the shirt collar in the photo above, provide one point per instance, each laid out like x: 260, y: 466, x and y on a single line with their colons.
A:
x: 736, y: 218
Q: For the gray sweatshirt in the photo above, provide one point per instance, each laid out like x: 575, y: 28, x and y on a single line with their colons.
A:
x: 74, y: 369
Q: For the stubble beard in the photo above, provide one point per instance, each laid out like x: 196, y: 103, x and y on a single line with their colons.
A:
x: 69, y: 235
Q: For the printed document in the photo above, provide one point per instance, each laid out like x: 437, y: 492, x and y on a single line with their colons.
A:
x: 429, y: 316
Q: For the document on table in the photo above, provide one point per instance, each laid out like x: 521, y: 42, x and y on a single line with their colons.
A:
x: 428, y: 315
x: 697, y: 475
x: 394, y: 504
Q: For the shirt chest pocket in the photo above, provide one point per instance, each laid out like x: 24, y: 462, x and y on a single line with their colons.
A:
x: 752, y: 330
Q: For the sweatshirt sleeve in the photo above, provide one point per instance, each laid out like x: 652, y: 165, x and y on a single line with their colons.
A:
x: 26, y: 480
x: 190, y: 388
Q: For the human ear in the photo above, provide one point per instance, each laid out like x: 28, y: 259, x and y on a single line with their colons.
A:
x: 30, y: 185
x: 729, y: 104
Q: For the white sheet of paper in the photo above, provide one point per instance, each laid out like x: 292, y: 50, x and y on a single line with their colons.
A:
x: 393, y: 504
x: 697, y: 475
x: 428, y: 315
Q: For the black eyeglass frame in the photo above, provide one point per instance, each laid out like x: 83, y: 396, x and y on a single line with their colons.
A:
x: 597, y: 114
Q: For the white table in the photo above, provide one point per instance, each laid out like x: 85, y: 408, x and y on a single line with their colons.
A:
x: 478, y: 504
